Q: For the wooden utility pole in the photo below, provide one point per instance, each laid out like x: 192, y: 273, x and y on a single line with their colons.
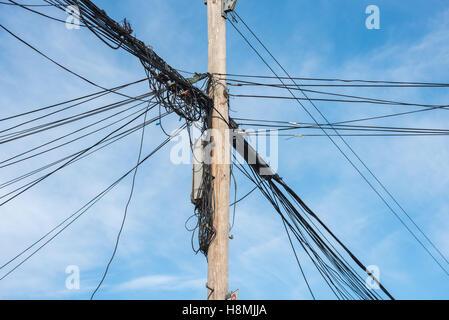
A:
x: 218, y: 253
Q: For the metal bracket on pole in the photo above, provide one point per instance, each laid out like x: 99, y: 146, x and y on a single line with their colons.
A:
x: 228, y: 6
x: 250, y: 155
x: 233, y: 295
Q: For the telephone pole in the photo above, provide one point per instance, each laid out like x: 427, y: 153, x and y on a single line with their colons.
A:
x: 218, y: 253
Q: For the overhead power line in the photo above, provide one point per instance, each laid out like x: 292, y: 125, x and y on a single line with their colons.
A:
x: 438, y: 251
x: 126, y: 208
x: 386, y: 82
x: 60, y: 65
x: 340, y: 277
x: 98, y: 93
x: 113, y: 139
x: 12, y: 3
x: 7, y: 162
x: 338, y: 100
x: 75, y: 216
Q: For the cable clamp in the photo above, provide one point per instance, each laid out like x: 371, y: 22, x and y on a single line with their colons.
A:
x: 241, y: 132
x: 233, y: 295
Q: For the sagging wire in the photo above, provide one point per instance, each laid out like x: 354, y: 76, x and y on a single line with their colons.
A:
x: 376, y: 191
x: 126, y: 207
x: 77, y: 214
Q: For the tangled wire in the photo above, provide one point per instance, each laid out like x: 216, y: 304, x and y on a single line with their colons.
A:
x: 172, y: 90
x: 204, y: 213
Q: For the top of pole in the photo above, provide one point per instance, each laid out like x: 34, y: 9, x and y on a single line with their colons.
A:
x: 228, y: 6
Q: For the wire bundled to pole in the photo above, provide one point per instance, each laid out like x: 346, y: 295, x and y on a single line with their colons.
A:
x: 204, y: 204
x: 204, y: 213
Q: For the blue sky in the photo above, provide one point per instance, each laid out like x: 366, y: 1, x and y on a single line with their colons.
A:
x: 155, y: 259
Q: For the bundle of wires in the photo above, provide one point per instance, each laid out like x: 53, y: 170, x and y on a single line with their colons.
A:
x: 317, y: 241
x: 204, y: 213
x: 174, y: 92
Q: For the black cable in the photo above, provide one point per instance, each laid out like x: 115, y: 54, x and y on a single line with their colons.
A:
x: 61, y: 122
x: 291, y: 243
x: 292, y: 193
x: 338, y: 147
x: 367, y: 100
x: 80, y: 212
x: 294, y: 124
x: 297, y: 261
x: 71, y: 100
x: 235, y: 199
x: 227, y: 75
x: 67, y: 163
x: 72, y: 158
x: 3, y: 165
x: 126, y: 210
x: 104, y: 144
x: 60, y: 65
x: 373, y: 100
x: 282, y: 128
x: 180, y: 96
x: 244, y: 197
x: 340, y: 277
x: 385, y: 82
x: 27, y: 7
x: 92, y: 111
x: 363, y: 135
